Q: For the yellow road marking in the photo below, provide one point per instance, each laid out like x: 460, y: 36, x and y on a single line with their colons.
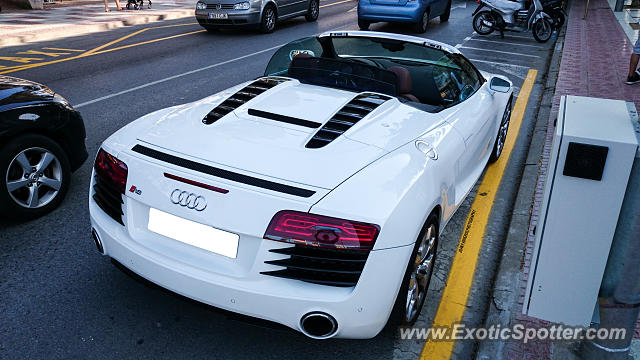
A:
x: 60, y: 49
x: 456, y: 292
x: 335, y: 3
x: 114, y: 41
x: 30, y: 66
x: 148, y: 42
x: 37, y: 52
x: 22, y: 60
x: 174, y: 25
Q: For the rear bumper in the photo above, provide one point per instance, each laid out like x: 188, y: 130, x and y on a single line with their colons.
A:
x: 238, y: 18
x: 361, y: 312
x: 410, y: 12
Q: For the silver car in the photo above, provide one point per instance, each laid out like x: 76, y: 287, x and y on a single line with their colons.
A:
x: 263, y: 14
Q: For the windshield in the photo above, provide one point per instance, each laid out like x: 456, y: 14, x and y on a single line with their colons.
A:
x: 347, y: 47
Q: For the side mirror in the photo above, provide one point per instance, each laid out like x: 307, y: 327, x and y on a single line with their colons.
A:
x: 499, y: 85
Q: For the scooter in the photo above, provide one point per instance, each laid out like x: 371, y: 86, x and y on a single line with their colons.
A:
x: 505, y: 15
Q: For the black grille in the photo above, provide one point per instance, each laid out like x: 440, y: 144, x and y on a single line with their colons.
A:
x: 108, y: 198
x: 220, y: 6
x: 245, y: 94
x: 320, y: 266
x: 344, y: 119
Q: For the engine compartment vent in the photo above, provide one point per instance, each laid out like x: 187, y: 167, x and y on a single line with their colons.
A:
x: 343, y: 120
x: 244, y: 95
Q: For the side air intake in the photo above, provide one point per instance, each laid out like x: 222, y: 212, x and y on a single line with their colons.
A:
x: 245, y: 94
x: 344, y: 119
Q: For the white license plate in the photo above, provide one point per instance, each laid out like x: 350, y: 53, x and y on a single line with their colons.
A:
x: 193, y: 233
x: 218, y: 16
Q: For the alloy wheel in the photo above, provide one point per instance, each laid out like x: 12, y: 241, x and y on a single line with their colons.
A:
x: 34, y: 178
x: 421, y: 271
x: 425, y: 21
x: 504, y: 128
x: 270, y: 19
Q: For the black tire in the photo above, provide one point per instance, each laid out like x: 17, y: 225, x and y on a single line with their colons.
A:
x: 478, y: 22
x: 269, y: 18
x: 542, y: 30
x: 421, y: 26
x: 501, y: 137
x: 47, y: 198
x: 399, y: 316
x: 313, y: 11
x: 447, y: 13
x: 364, y: 24
x: 128, y: 6
x: 211, y: 29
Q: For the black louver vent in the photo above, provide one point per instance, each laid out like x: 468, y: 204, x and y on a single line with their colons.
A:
x: 320, y: 266
x: 344, y: 119
x: 245, y: 94
x: 108, y: 198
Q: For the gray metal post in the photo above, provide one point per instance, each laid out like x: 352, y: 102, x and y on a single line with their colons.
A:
x: 619, y: 5
x: 619, y: 304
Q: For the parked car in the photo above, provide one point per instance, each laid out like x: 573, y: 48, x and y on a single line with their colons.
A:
x: 312, y: 196
x: 416, y: 12
x: 261, y: 14
x: 42, y: 140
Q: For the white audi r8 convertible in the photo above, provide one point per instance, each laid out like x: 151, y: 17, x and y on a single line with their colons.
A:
x: 313, y: 196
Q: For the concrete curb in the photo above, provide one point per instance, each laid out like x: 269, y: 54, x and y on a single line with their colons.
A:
x: 54, y: 33
x: 504, y: 304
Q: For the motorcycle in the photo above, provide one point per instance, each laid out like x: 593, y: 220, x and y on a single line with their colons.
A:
x: 505, y: 15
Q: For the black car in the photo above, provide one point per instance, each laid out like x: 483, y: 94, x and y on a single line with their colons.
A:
x: 42, y: 140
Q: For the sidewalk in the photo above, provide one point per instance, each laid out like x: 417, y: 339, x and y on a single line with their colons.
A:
x: 594, y: 62
x: 67, y: 19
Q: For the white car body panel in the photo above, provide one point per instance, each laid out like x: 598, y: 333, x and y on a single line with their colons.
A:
x: 373, y: 173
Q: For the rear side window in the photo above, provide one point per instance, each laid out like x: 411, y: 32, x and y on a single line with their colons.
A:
x: 279, y: 63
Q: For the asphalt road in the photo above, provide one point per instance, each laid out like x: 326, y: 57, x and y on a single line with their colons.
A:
x: 60, y: 299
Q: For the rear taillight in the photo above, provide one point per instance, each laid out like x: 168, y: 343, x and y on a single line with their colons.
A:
x: 322, y: 231
x: 111, y: 170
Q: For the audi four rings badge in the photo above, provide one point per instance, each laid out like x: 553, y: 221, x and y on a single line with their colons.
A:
x: 188, y: 200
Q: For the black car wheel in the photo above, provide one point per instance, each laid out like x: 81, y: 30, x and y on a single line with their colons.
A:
x: 415, y: 284
x: 363, y: 24
x: 269, y: 18
x: 501, y: 138
x: 314, y: 11
x: 34, y: 176
x: 447, y: 13
x: 421, y: 26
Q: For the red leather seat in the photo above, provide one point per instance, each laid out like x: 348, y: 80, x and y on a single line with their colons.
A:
x: 404, y: 83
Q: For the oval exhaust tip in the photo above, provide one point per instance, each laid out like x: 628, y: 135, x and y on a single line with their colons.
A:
x: 96, y: 239
x: 318, y: 325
